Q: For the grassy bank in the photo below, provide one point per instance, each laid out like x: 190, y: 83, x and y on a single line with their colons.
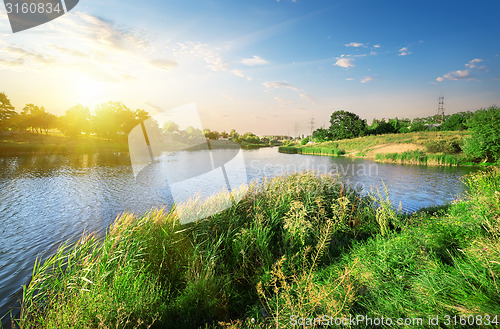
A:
x: 329, y: 151
x: 30, y: 143
x: 298, y: 246
x: 420, y: 148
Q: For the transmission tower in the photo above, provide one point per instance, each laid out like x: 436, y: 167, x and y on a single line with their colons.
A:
x: 312, y: 128
x: 440, y: 110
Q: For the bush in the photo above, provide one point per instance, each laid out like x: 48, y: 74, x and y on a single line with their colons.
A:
x: 484, y: 143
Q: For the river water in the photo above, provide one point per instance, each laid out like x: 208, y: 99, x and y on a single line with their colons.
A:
x: 47, y: 200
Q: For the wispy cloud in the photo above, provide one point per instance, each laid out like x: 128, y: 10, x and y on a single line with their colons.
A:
x: 254, y: 61
x: 367, y: 79
x: 344, y: 61
x: 163, y: 64
x: 208, y: 54
x: 376, y: 46
x: 241, y: 74
x: 355, y: 44
x: 472, y: 63
x: 404, y: 51
x: 270, y: 85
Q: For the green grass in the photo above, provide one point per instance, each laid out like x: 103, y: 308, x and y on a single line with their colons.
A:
x: 311, y: 150
x: 434, y: 148
x: 422, y: 158
x: 299, y: 245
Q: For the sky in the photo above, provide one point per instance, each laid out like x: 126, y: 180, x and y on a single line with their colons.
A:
x: 265, y: 66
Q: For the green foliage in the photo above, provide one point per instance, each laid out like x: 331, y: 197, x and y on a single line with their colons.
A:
x: 75, y: 121
x: 304, y: 141
x: 484, y: 143
x: 7, y: 111
x: 344, y: 125
x: 457, y: 121
x: 321, y: 135
x: 113, y: 120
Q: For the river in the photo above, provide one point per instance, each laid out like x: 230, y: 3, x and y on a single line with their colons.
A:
x: 47, y: 200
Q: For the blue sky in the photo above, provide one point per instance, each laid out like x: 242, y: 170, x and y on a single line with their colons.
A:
x: 265, y: 66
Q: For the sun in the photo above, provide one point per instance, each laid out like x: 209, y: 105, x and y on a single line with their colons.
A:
x: 89, y: 91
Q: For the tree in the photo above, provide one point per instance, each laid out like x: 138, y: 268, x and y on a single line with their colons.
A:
x: 484, y: 143
x: 321, y: 135
x: 170, y: 127
x: 233, y: 134
x: 345, y: 124
x: 457, y: 121
x: 211, y: 134
x: 7, y: 111
x: 113, y: 119
x: 37, y: 118
x: 75, y: 121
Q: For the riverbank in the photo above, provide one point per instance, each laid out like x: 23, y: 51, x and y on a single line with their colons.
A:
x: 48, y: 144
x: 297, y: 246
x: 421, y: 148
x: 27, y: 143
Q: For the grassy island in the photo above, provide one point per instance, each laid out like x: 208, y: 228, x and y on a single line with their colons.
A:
x: 296, y: 247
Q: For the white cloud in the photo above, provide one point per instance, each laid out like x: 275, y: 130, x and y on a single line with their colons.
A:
x: 404, y: 51
x: 376, y: 46
x: 344, y: 61
x: 367, y: 79
x: 472, y: 63
x: 270, y: 85
x: 350, y: 79
x: 208, y: 54
x: 280, y: 84
x: 455, y: 75
x: 254, y: 61
x: 355, y: 44
x: 241, y: 74
x: 462, y: 74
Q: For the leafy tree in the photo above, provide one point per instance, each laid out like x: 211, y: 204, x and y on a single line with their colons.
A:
x: 250, y: 138
x: 321, y: 135
x: 113, y: 119
x: 457, y: 121
x: 304, y: 141
x: 345, y: 124
x: 7, y: 111
x: 233, y: 134
x: 75, y: 121
x: 211, y: 134
x: 484, y: 142
x: 36, y: 118
x: 418, y: 125
x: 170, y: 127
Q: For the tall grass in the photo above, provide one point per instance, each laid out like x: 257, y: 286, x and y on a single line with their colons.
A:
x: 297, y: 246
x: 311, y: 150
x: 421, y: 158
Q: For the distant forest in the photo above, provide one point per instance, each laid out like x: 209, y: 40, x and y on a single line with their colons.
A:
x: 111, y: 120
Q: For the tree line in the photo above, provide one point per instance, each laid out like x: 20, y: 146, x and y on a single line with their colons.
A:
x: 111, y: 120
x: 484, y: 124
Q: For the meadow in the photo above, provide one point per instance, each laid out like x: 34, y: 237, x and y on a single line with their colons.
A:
x: 441, y: 148
x: 297, y: 247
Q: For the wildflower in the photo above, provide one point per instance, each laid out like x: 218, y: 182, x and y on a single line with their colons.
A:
x: 485, y: 249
